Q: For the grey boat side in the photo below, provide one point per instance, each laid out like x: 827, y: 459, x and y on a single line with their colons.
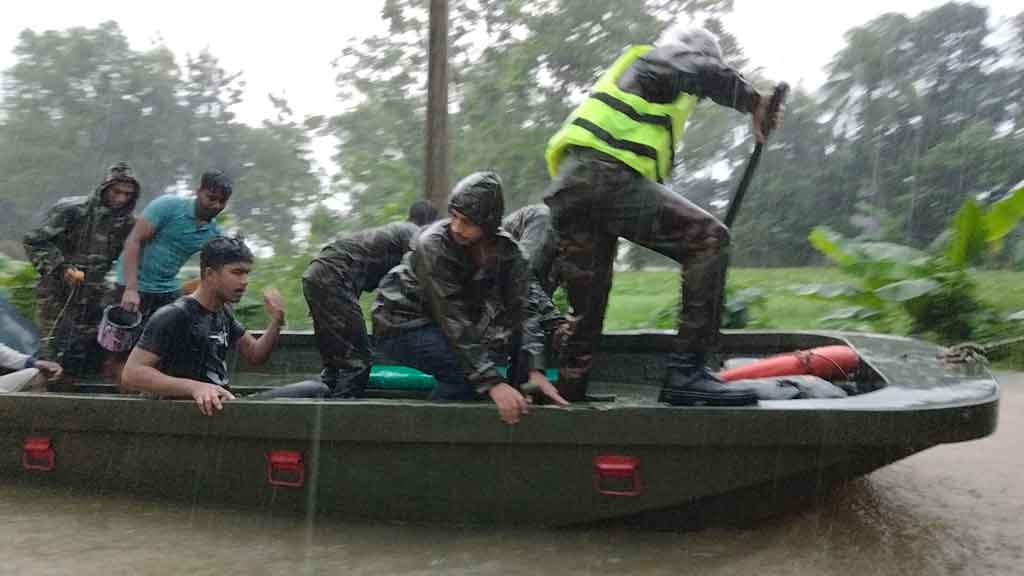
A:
x: 413, y: 460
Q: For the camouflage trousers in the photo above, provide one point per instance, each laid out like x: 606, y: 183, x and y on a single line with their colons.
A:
x: 68, y: 319
x: 594, y: 201
x: 338, y: 321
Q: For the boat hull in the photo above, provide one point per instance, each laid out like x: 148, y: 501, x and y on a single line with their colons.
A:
x: 413, y: 460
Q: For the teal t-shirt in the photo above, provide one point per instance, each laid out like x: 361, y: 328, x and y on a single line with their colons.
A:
x: 178, y: 236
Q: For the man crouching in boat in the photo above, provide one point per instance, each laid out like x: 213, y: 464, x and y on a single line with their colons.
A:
x: 182, y: 351
x: 463, y: 275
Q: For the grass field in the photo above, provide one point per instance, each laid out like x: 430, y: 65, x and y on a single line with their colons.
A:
x: 637, y: 297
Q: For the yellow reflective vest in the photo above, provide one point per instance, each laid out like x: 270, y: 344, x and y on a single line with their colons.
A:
x: 641, y: 134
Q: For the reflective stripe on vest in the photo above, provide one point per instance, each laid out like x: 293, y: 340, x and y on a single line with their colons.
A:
x: 641, y: 134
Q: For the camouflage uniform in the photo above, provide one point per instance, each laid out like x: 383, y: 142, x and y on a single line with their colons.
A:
x: 596, y: 199
x: 83, y: 232
x: 344, y: 269
x: 454, y: 311
x: 531, y: 228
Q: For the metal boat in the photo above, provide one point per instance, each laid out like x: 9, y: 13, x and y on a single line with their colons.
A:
x: 395, y: 456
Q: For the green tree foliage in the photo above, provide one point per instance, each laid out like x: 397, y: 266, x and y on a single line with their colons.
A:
x: 77, y: 100
x: 919, y: 114
x: 17, y: 285
x: 516, y: 69
x: 916, y: 103
x: 916, y: 117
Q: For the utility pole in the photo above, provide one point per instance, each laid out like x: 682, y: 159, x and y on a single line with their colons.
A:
x: 437, y: 107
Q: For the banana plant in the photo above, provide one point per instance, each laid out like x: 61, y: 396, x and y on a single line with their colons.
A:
x: 934, y: 289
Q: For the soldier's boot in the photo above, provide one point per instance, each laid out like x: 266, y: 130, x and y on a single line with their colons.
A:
x: 574, y: 377
x: 350, y: 383
x: 329, y: 376
x: 690, y: 383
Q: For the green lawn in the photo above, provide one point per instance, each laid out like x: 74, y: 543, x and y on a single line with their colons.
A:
x: 637, y: 297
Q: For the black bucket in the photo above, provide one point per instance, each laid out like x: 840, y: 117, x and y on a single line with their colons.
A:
x: 118, y: 329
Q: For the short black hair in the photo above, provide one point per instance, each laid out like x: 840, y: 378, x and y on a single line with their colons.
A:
x: 422, y: 212
x: 216, y: 181
x: 220, y: 251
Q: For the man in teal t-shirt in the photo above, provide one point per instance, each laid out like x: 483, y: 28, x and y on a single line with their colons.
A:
x: 170, y: 230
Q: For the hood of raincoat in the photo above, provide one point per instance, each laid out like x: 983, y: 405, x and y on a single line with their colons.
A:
x: 479, y: 197
x: 683, y: 38
x: 120, y: 172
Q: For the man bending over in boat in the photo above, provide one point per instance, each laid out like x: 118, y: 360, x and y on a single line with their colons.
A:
x: 183, y: 349
x: 463, y: 276
x: 530, y: 227
x: 350, y: 265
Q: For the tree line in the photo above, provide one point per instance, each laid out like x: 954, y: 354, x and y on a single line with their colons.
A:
x: 918, y: 114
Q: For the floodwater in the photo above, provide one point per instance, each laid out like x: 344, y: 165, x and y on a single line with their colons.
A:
x: 954, y: 509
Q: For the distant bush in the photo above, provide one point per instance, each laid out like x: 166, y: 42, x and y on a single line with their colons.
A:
x: 17, y: 284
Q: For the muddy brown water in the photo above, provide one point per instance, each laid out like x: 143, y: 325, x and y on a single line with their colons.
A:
x: 953, y: 509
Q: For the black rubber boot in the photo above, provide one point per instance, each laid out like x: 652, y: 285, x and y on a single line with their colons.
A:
x: 572, y: 389
x: 329, y: 376
x: 690, y: 383
x: 350, y: 384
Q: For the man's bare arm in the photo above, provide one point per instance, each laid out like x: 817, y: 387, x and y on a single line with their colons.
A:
x: 141, y: 373
x: 142, y: 232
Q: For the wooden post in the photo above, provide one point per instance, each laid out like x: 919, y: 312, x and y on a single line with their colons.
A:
x: 437, y: 107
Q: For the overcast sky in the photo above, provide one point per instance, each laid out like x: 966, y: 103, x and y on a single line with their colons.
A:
x: 287, y: 48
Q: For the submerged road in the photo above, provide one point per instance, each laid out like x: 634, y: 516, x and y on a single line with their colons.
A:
x: 953, y: 509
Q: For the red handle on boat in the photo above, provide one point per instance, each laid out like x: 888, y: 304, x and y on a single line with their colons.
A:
x: 617, y: 475
x: 285, y: 468
x: 37, y: 454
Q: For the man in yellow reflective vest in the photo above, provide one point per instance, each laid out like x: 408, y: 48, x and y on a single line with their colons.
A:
x: 609, y: 162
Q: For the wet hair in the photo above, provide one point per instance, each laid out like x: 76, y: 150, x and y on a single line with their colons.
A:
x: 422, y: 212
x: 221, y: 251
x: 216, y: 181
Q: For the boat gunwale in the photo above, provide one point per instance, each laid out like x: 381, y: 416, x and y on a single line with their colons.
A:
x: 845, y: 421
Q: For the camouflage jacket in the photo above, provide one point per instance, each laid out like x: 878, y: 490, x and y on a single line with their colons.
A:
x: 530, y: 226
x: 364, y: 257
x: 438, y: 282
x: 79, y: 231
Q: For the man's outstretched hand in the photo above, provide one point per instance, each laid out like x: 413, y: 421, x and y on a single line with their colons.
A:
x: 274, y: 304
x: 763, y: 121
